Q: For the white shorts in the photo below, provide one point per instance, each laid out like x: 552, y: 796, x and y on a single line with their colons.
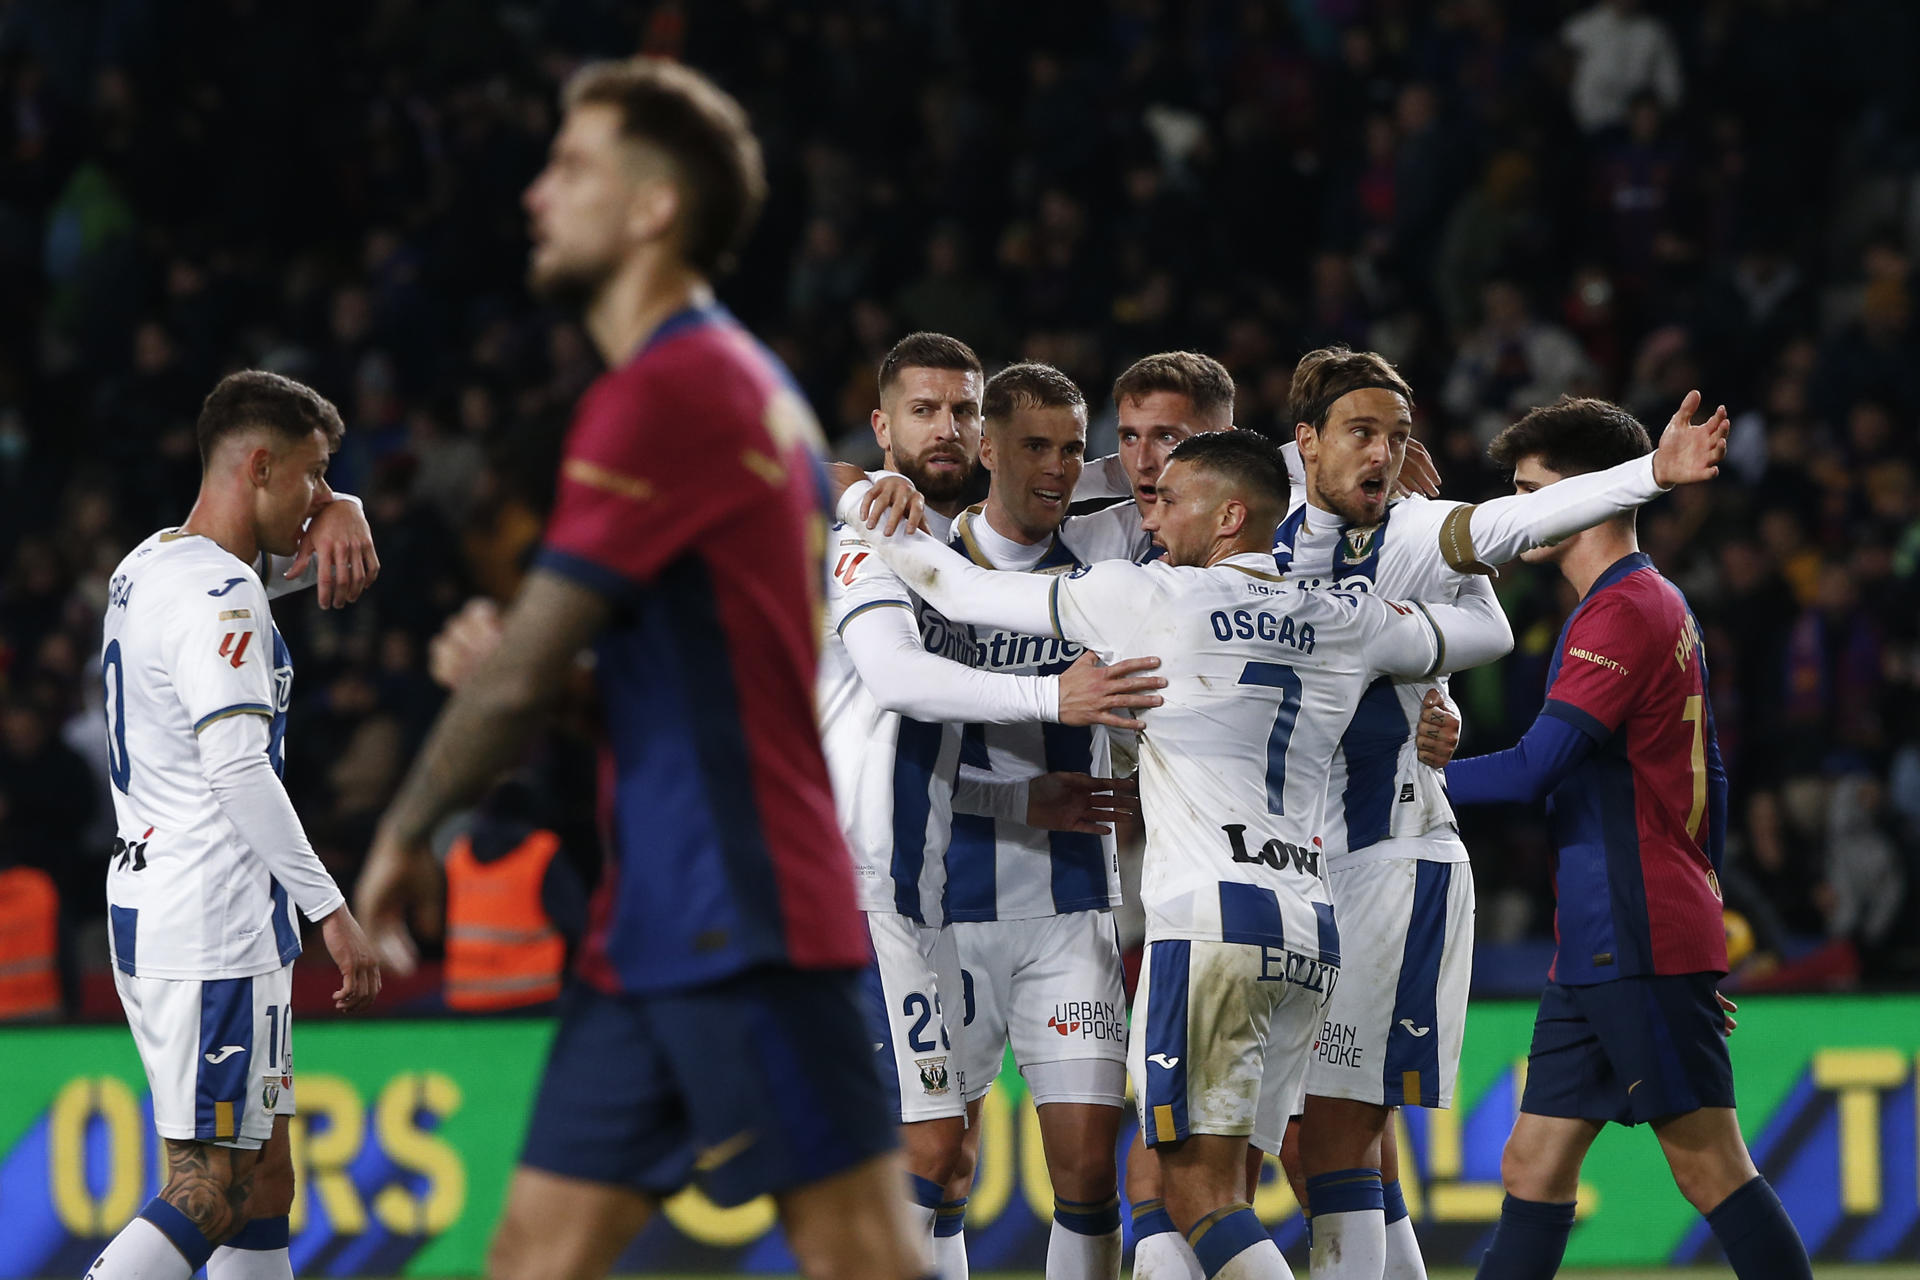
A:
x: 1394, y: 1026
x: 915, y: 968
x: 1212, y: 1021
x: 218, y: 1053
x: 1052, y: 986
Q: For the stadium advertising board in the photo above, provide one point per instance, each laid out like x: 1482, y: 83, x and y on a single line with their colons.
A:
x: 408, y: 1132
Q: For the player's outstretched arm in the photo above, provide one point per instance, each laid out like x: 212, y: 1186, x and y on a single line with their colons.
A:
x: 1475, y: 539
x: 953, y: 584
x: 1414, y: 640
x: 904, y: 678
x: 1523, y: 774
x: 1473, y: 629
x: 480, y: 731
x: 336, y: 556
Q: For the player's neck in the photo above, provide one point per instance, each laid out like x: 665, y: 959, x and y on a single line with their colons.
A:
x: 1593, y: 553
x: 226, y: 523
x: 1004, y: 524
x: 650, y: 288
x: 1242, y: 545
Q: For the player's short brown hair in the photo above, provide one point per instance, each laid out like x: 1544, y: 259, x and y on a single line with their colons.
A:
x: 1323, y: 376
x: 925, y: 350
x: 1572, y: 436
x: 1200, y: 378
x: 1247, y: 459
x: 253, y: 398
x: 706, y: 137
x: 1029, y: 385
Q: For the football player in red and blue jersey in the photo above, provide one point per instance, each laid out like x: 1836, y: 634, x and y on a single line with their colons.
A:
x: 1631, y: 1028
x: 713, y: 1030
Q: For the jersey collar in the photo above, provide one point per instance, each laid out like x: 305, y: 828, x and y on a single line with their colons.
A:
x: 1632, y: 562
x: 683, y: 321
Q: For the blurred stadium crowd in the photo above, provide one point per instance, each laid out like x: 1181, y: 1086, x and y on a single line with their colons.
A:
x: 1510, y: 200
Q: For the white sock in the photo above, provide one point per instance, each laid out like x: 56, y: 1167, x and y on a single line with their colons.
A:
x: 1165, y: 1256
x: 141, y: 1251
x: 1261, y: 1261
x: 1072, y: 1256
x: 249, y: 1264
x: 950, y: 1256
x: 1403, y: 1252
x: 922, y: 1218
x: 1350, y: 1246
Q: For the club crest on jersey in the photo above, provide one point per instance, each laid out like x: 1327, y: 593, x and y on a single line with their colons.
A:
x: 933, y: 1075
x: 1358, y: 544
x: 235, y: 653
x: 270, y: 1094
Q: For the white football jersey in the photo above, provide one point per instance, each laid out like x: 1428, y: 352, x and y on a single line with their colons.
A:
x: 1380, y: 798
x: 1004, y: 870
x: 188, y: 640
x: 1262, y: 681
x: 892, y: 775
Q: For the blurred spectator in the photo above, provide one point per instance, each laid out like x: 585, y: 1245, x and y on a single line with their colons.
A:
x: 1619, y: 52
x: 1511, y: 363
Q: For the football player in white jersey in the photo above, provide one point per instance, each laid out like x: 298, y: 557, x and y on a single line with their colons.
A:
x: 1397, y: 870
x: 1031, y: 909
x: 1262, y: 681
x: 897, y: 681
x: 211, y: 861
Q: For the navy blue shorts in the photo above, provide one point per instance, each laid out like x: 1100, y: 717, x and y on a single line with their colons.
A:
x: 759, y: 1083
x: 1632, y: 1051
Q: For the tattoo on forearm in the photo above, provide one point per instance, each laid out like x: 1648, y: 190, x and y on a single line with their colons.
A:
x: 202, y: 1184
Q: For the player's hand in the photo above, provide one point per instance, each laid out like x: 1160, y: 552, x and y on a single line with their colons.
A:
x: 340, y: 541
x: 1093, y: 694
x: 468, y: 639
x: 394, y: 880
x: 1418, y: 474
x: 1077, y: 802
x: 1439, y: 733
x: 1689, y: 453
x: 1727, y: 1009
x: 841, y: 476
x: 359, y: 967
x: 895, y: 498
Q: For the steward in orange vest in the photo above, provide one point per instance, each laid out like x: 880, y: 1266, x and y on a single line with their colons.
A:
x: 29, y: 945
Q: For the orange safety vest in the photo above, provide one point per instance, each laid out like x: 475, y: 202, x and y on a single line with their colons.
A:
x: 502, y: 950
x: 29, y: 945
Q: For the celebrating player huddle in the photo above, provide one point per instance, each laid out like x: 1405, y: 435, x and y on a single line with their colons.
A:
x: 1272, y: 651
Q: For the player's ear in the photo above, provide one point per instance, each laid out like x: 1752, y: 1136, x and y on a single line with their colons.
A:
x: 882, y: 430
x: 651, y: 213
x: 988, y: 454
x: 1307, y: 440
x: 260, y: 466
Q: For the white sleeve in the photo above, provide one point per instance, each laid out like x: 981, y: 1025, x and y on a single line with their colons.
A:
x: 988, y: 794
x: 952, y: 583
x: 1397, y: 638
x: 1473, y: 629
x: 1102, y: 478
x: 1475, y: 539
x: 233, y: 759
x: 1113, y: 533
x: 903, y: 677
x: 219, y: 648
x: 273, y: 569
x: 1101, y: 606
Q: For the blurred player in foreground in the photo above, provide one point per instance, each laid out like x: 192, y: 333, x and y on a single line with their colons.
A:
x: 1261, y: 681
x: 713, y: 1030
x: 210, y: 860
x: 1631, y: 1029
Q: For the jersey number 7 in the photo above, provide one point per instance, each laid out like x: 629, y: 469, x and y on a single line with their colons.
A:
x: 1277, y: 675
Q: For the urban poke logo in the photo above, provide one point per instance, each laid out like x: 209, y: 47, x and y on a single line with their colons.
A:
x: 1088, y: 1019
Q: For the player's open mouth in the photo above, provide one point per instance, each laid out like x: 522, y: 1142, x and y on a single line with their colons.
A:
x: 1373, y: 488
x: 1052, y: 497
x: 1148, y: 493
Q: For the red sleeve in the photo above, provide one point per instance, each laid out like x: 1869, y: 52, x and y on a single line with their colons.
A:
x: 639, y: 484
x: 1604, y: 666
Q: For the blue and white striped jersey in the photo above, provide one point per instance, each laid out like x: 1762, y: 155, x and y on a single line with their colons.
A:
x: 892, y: 775
x: 998, y: 869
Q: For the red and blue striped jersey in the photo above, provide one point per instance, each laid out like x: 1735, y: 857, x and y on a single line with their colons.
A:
x: 1638, y: 824
x: 691, y: 496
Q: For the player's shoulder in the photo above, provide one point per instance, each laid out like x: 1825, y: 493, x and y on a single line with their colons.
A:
x: 172, y: 568
x: 1111, y: 533
x: 1641, y: 604
x: 853, y: 563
